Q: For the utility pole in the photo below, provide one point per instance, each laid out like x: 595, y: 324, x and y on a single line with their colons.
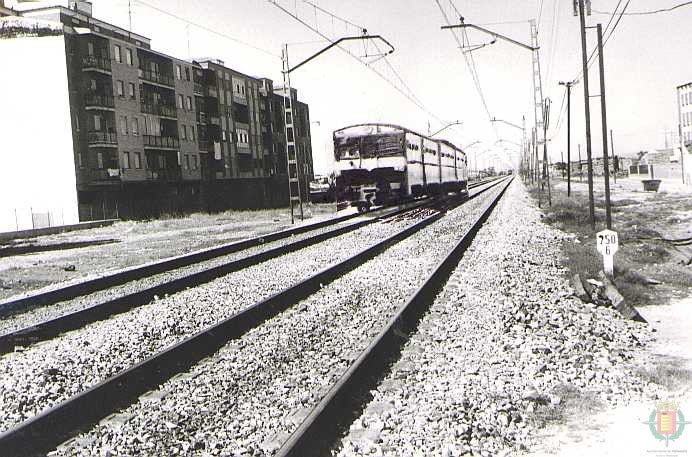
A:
x: 616, y: 163
x: 587, y: 111
x: 606, y: 168
x: 546, y: 162
x: 580, y: 173
x: 569, y: 85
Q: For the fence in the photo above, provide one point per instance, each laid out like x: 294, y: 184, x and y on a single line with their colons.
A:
x: 657, y: 171
x: 27, y: 219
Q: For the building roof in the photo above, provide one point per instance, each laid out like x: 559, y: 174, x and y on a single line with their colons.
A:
x: 685, y: 85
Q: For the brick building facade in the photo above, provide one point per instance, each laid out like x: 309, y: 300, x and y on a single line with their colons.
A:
x: 153, y: 134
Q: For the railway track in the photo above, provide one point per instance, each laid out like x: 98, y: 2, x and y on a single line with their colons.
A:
x: 65, y: 292
x: 326, y: 422
x: 47, y: 429
x: 174, y: 275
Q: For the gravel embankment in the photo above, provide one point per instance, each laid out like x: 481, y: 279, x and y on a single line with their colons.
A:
x: 503, y: 348
x: 45, y: 374
x: 30, y: 317
x: 248, y: 397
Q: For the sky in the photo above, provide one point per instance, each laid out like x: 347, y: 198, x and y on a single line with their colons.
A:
x: 645, y: 60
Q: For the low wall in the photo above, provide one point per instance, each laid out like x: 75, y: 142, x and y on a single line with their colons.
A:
x: 6, y: 236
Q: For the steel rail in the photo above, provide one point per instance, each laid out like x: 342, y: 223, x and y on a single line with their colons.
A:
x: 71, y: 291
x: 322, y: 427
x: 43, y: 432
x: 88, y: 286
x: 50, y: 328
x: 74, y: 320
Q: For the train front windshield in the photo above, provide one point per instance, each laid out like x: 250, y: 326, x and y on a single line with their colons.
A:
x: 368, y: 146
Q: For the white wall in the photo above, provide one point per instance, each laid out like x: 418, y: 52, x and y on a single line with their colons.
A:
x: 37, y: 171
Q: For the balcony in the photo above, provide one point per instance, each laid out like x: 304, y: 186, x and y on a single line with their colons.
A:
x: 202, y: 117
x: 198, y: 89
x: 98, y: 101
x: 160, y: 110
x: 161, y: 142
x: 203, y: 145
x: 102, y: 138
x: 96, y: 63
x: 158, y: 78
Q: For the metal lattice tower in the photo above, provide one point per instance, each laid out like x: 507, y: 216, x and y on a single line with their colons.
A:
x: 292, y: 168
x: 537, y: 86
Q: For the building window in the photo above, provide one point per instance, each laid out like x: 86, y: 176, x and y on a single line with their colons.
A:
x: 80, y: 160
x: 189, y: 103
x: 184, y: 132
x: 97, y: 122
x: 116, y: 53
x: 131, y: 90
x: 223, y: 135
x: 99, y: 160
x: 187, y: 161
x: 180, y: 101
x: 192, y: 133
x: 135, y: 126
x: 194, y: 162
x: 128, y: 56
x: 123, y: 125
x: 187, y: 73
x: 138, y: 160
x: 126, y: 160
x: 178, y: 72
x: 121, y: 88
x: 90, y: 48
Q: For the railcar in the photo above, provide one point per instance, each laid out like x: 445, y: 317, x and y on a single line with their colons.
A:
x: 379, y: 164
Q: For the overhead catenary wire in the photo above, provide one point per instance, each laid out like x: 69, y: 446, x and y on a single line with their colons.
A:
x: 208, y: 29
x: 554, y: 38
x: 405, y: 92
x: 605, y: 41
x: 645, y: 13
x: 469, y: 59
x: 607, y: 32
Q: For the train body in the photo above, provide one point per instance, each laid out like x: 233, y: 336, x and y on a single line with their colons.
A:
x: 380, y: 164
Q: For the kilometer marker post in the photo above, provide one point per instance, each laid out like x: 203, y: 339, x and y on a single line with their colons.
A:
x: 607, y: 244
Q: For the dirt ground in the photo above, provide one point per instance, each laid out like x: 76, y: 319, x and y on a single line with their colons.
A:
x: 621, y: 431
x: 74, y: 255
x: 649, y: 271
x: 655, y: 276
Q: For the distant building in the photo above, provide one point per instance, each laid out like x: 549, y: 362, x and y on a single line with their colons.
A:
x: 684, y: 93
x: 98, y: 125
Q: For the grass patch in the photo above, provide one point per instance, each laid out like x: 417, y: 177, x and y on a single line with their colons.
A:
x: 573, y: 402
x: 637, y: 225
x: 667, y: 373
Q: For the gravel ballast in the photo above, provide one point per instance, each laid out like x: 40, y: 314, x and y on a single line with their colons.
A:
x: 248, y: 397
x: 504, y: 348
x: 33, y: 316
x: 47, y: 373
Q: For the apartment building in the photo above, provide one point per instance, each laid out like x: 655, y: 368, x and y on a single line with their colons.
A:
x: 150, y: 133
x: 684, y: 97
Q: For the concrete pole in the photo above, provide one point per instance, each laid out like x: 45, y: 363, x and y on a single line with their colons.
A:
x: 587, y: 112
x: 606, y: 167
